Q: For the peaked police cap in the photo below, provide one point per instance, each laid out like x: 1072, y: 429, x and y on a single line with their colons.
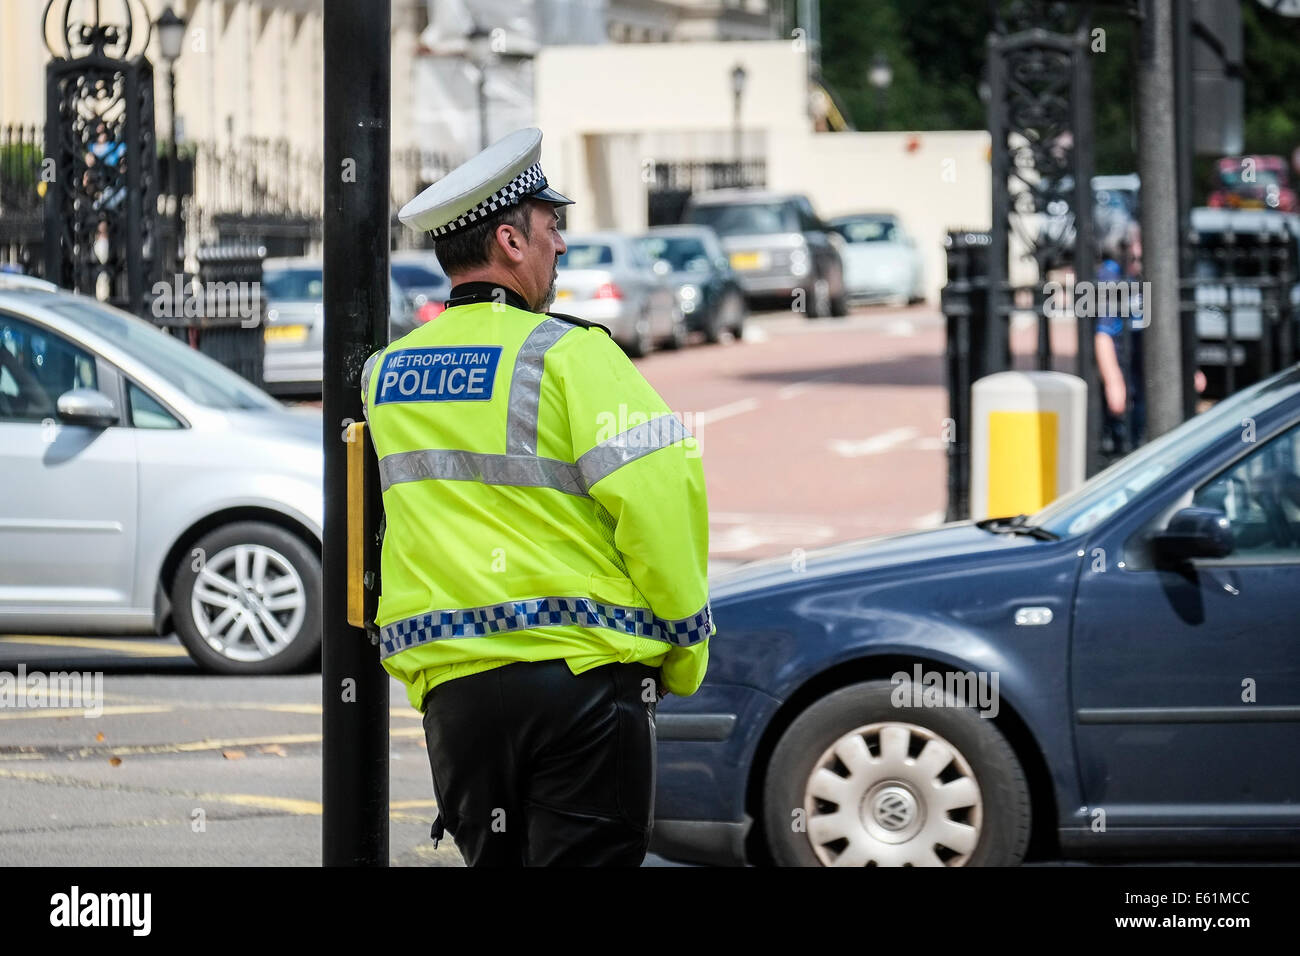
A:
x: 501, y: 176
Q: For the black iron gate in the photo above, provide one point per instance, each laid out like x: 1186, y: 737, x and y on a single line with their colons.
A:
x: 101, y: 201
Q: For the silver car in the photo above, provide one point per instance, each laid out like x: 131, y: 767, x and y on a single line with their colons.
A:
x: 147, y: 487
x: 780, y: 250
x: 607, y: 277
x: 295, y: 325
x: 881, y: 261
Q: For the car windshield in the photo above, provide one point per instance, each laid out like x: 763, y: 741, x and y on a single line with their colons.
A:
x: 746, y: 219
x: 201, y: 379
x: 411, y: 276
x: 585, y: 255
x: 300, y: 285
x: 1108, y: 491
x: 867, y: 230
x: 683, y: 253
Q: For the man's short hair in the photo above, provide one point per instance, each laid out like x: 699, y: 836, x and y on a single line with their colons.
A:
x: 469, y: 247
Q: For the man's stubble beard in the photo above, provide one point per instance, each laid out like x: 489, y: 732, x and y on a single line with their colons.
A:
x: 550, y: 293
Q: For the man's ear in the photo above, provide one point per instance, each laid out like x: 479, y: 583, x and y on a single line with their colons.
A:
x: 507, y: 240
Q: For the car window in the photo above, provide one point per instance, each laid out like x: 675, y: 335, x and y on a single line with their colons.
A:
x: 1260, y: 494
x: 1106, y: 492
x: 147, y: 411
x: 683, y: 253
x: 808, y: 220
x: 36, y: 367
x: 867, y: 230
x: 746, y: 219
x: 586, y: 255
x: 293, y: 285
x: 203, y: 380
x: 410, y: 276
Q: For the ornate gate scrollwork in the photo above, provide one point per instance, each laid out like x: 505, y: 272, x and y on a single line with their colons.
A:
x: 101, y: 203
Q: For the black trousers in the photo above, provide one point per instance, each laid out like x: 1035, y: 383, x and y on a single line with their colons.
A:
x: 535, y: 766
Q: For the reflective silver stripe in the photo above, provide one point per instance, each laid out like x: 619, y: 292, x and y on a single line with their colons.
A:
x: 453, y: 465
x: 492, y: 619
x: 526, y: 386
x: 639, y: 440
x: 365, y: 383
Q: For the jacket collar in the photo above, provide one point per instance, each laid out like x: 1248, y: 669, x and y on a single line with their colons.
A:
x: 468, y: 292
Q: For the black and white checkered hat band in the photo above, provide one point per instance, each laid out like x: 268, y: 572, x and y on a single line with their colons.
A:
x: 525, y: 184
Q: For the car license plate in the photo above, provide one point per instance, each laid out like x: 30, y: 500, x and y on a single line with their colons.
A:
x: 563, y: 294
x: 747, y: 260
x: 286, y: 333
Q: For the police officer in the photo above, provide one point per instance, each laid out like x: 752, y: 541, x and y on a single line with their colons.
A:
x: 546, y: 538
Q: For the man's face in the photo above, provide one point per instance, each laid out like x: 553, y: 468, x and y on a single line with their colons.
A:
x: 546, y: 246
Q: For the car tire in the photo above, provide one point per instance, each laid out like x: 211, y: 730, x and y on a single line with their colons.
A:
x: 274, y: 566
x: 730, y: 316
x: 642, y: 342
x: 897, y: 820
x: 840, y: 303
x: 677, y: 339
x: 818, y: 297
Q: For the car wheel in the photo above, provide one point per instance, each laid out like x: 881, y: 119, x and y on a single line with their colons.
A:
x: 678, y: 337
x: 857, y: 781
x: 730, y: 316
x: 249, y: 601
x: 642, y: 342
x: 820, y: 295
x: 840, y: 302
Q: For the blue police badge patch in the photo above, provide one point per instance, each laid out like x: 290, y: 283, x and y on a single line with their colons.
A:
x: 461, y: 373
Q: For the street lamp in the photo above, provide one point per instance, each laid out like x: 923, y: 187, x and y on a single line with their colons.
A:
x: 738, y: 78
x: 880, y: 75
x: 481, y: 54
x: 171, y: 37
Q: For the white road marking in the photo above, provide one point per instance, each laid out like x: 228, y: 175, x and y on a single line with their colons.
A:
x: 753, y: 333
x: 900, y: 328
x: 726, y: 411
x: 875, y: 444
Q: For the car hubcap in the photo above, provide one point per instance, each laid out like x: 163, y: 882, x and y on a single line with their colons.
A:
x: 893, y: 794
x: 248, y: 603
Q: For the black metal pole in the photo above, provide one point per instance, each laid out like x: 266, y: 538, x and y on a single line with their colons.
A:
x: 1183, y: 105
x: 173, y: 173
x: 355, y: 687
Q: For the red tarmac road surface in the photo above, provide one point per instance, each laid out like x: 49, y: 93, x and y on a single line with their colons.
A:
x: 820, y: 431
x: 815, y: 431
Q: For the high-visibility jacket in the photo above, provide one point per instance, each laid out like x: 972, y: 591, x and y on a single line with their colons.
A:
x: 541, y: 501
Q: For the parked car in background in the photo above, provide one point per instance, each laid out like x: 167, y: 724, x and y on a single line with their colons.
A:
x: 1253, y: 182
x: 605, y: 277
x: 148, y: 488
x: 425, y: 284
x: 955, y: 696
x: 781, y: 251
x: 881, y: 260
x: 295, y: 327
x: 708, y: 291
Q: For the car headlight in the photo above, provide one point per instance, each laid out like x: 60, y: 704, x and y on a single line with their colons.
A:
x: 799, y: 262
x: 689, y: 296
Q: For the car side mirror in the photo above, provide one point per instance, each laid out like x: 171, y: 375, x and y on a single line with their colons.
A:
x: 86, y: 406
x: 1195, y: 533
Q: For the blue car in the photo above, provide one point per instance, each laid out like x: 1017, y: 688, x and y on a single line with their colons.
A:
x: 1116, y: 674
